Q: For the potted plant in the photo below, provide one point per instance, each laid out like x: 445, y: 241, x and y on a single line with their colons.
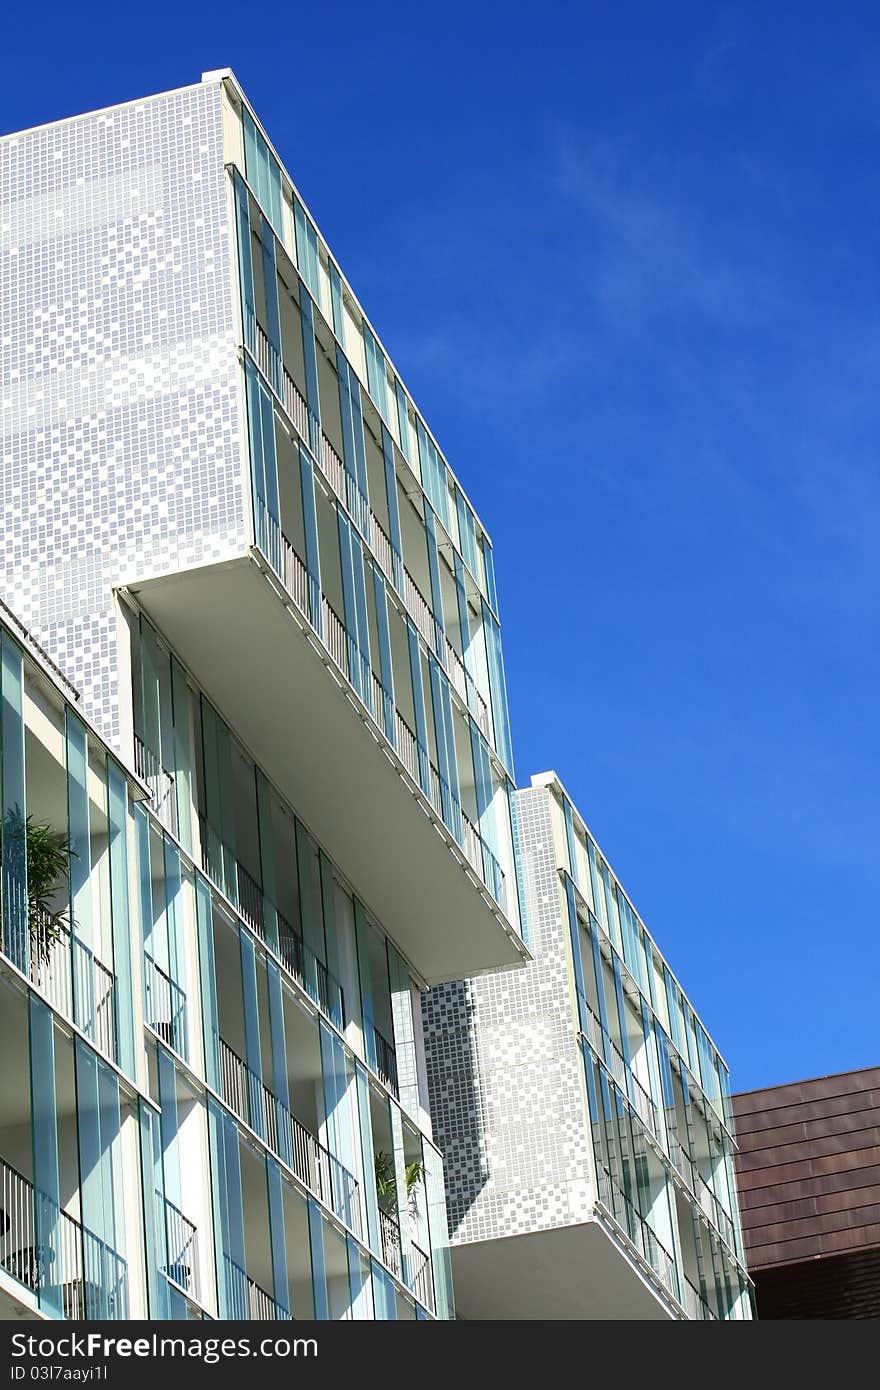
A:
x: 386, y: 1184
x: 47, y: 855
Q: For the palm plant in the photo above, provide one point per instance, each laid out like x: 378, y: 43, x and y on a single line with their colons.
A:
x: 46, y: 853
x: 386, y: 1183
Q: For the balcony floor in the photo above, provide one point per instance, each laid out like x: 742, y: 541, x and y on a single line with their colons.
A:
x: 248, y: 646
x: 566, y: 1273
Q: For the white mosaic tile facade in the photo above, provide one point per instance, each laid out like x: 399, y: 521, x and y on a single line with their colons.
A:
x: 505, y: 1075
x: 119, y: 430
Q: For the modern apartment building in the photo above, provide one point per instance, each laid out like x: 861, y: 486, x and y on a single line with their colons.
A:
x: 276, y: 774
x: 583, y: 1111
x: 808, y: 1172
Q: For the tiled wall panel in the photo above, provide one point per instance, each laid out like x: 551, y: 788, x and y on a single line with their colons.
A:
x: 119, y: 429
x: 504, y: 1072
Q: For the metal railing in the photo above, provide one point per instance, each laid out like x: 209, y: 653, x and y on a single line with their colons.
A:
x: 694, y: 1304
x: 640, y: 1234
x: 256, y: 909
x: 389, y: 1228
x: 250, y: 900
x: 421, y: 1282
x: 40, y: 651
x: 319, y: 983
x: 165, y: 1005
x: 386, y: 1062
x: 76, y: 983
x: 248, y: 1301
x: 160, y: 781
x: 181, y: 1246
x: 336, y: 641
x: 625, y: 1076
x: 310, y: 1160
x: 333, y: 468
x: 54, y: 1255
x: 420, y: 610
x: 295, y: 576
x: 709, y: 1204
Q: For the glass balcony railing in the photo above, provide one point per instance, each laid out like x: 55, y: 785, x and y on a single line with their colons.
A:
x: 54, y: 1256
x: 313, y: 1163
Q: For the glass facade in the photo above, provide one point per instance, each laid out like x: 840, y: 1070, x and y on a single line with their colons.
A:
x: 359, y: 516
x: 657, y: 1090
x: 210, y: 1019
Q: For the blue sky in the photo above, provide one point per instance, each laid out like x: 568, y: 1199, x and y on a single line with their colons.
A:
x: 625, y: 257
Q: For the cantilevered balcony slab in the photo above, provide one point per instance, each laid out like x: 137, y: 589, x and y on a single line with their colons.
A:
x: 250, y: 647
x: 568, y: 1272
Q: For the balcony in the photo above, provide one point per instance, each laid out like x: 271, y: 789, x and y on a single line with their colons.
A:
x: 249, y: 1302
x: 84, y: 991
x: 160, y: 781
x: 165, y: 1006
x: 639, y: 1233
x: 285, y: 691
x: 310, y: 1160
x: 181, y: 1248
x: 386, y: 1063
x: 625, y: 1077
x: 67, y: 1266
x: 421, y: 1283
x: 300, y: 961
x: 702, y: 1193
x: 419, y: 609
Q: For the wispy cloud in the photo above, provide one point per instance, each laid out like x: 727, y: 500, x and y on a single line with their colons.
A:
x: 657, y: 247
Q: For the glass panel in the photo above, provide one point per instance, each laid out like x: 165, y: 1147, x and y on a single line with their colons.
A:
x: 47, y: 1198
x: 319, y: 1272
x: 251, y: 1031
x: 273, y: 311
x: 245, y: 264
x: 228, y: 1213
x: 310, y: 359
x: 13, y: 881
x: 385, y: 662
x: 403, y: 422
x: 393, y: 510
x: 441, y: 1261
x: 498, y: 689
x: 280, y: 1281
x: 121, y: 920
x: 336, y: 302
x: 310, y: 529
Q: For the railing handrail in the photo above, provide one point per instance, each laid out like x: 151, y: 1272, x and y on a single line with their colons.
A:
x: 308, y: 1158
x: 336, y: 642
x: 86, y: 1246
x: 327, y: 986
x: 638, y: 1230
x: 386, y: 1061
x: 420, y: 1282
x: 389, y: 1229
x: 184, y: 1247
